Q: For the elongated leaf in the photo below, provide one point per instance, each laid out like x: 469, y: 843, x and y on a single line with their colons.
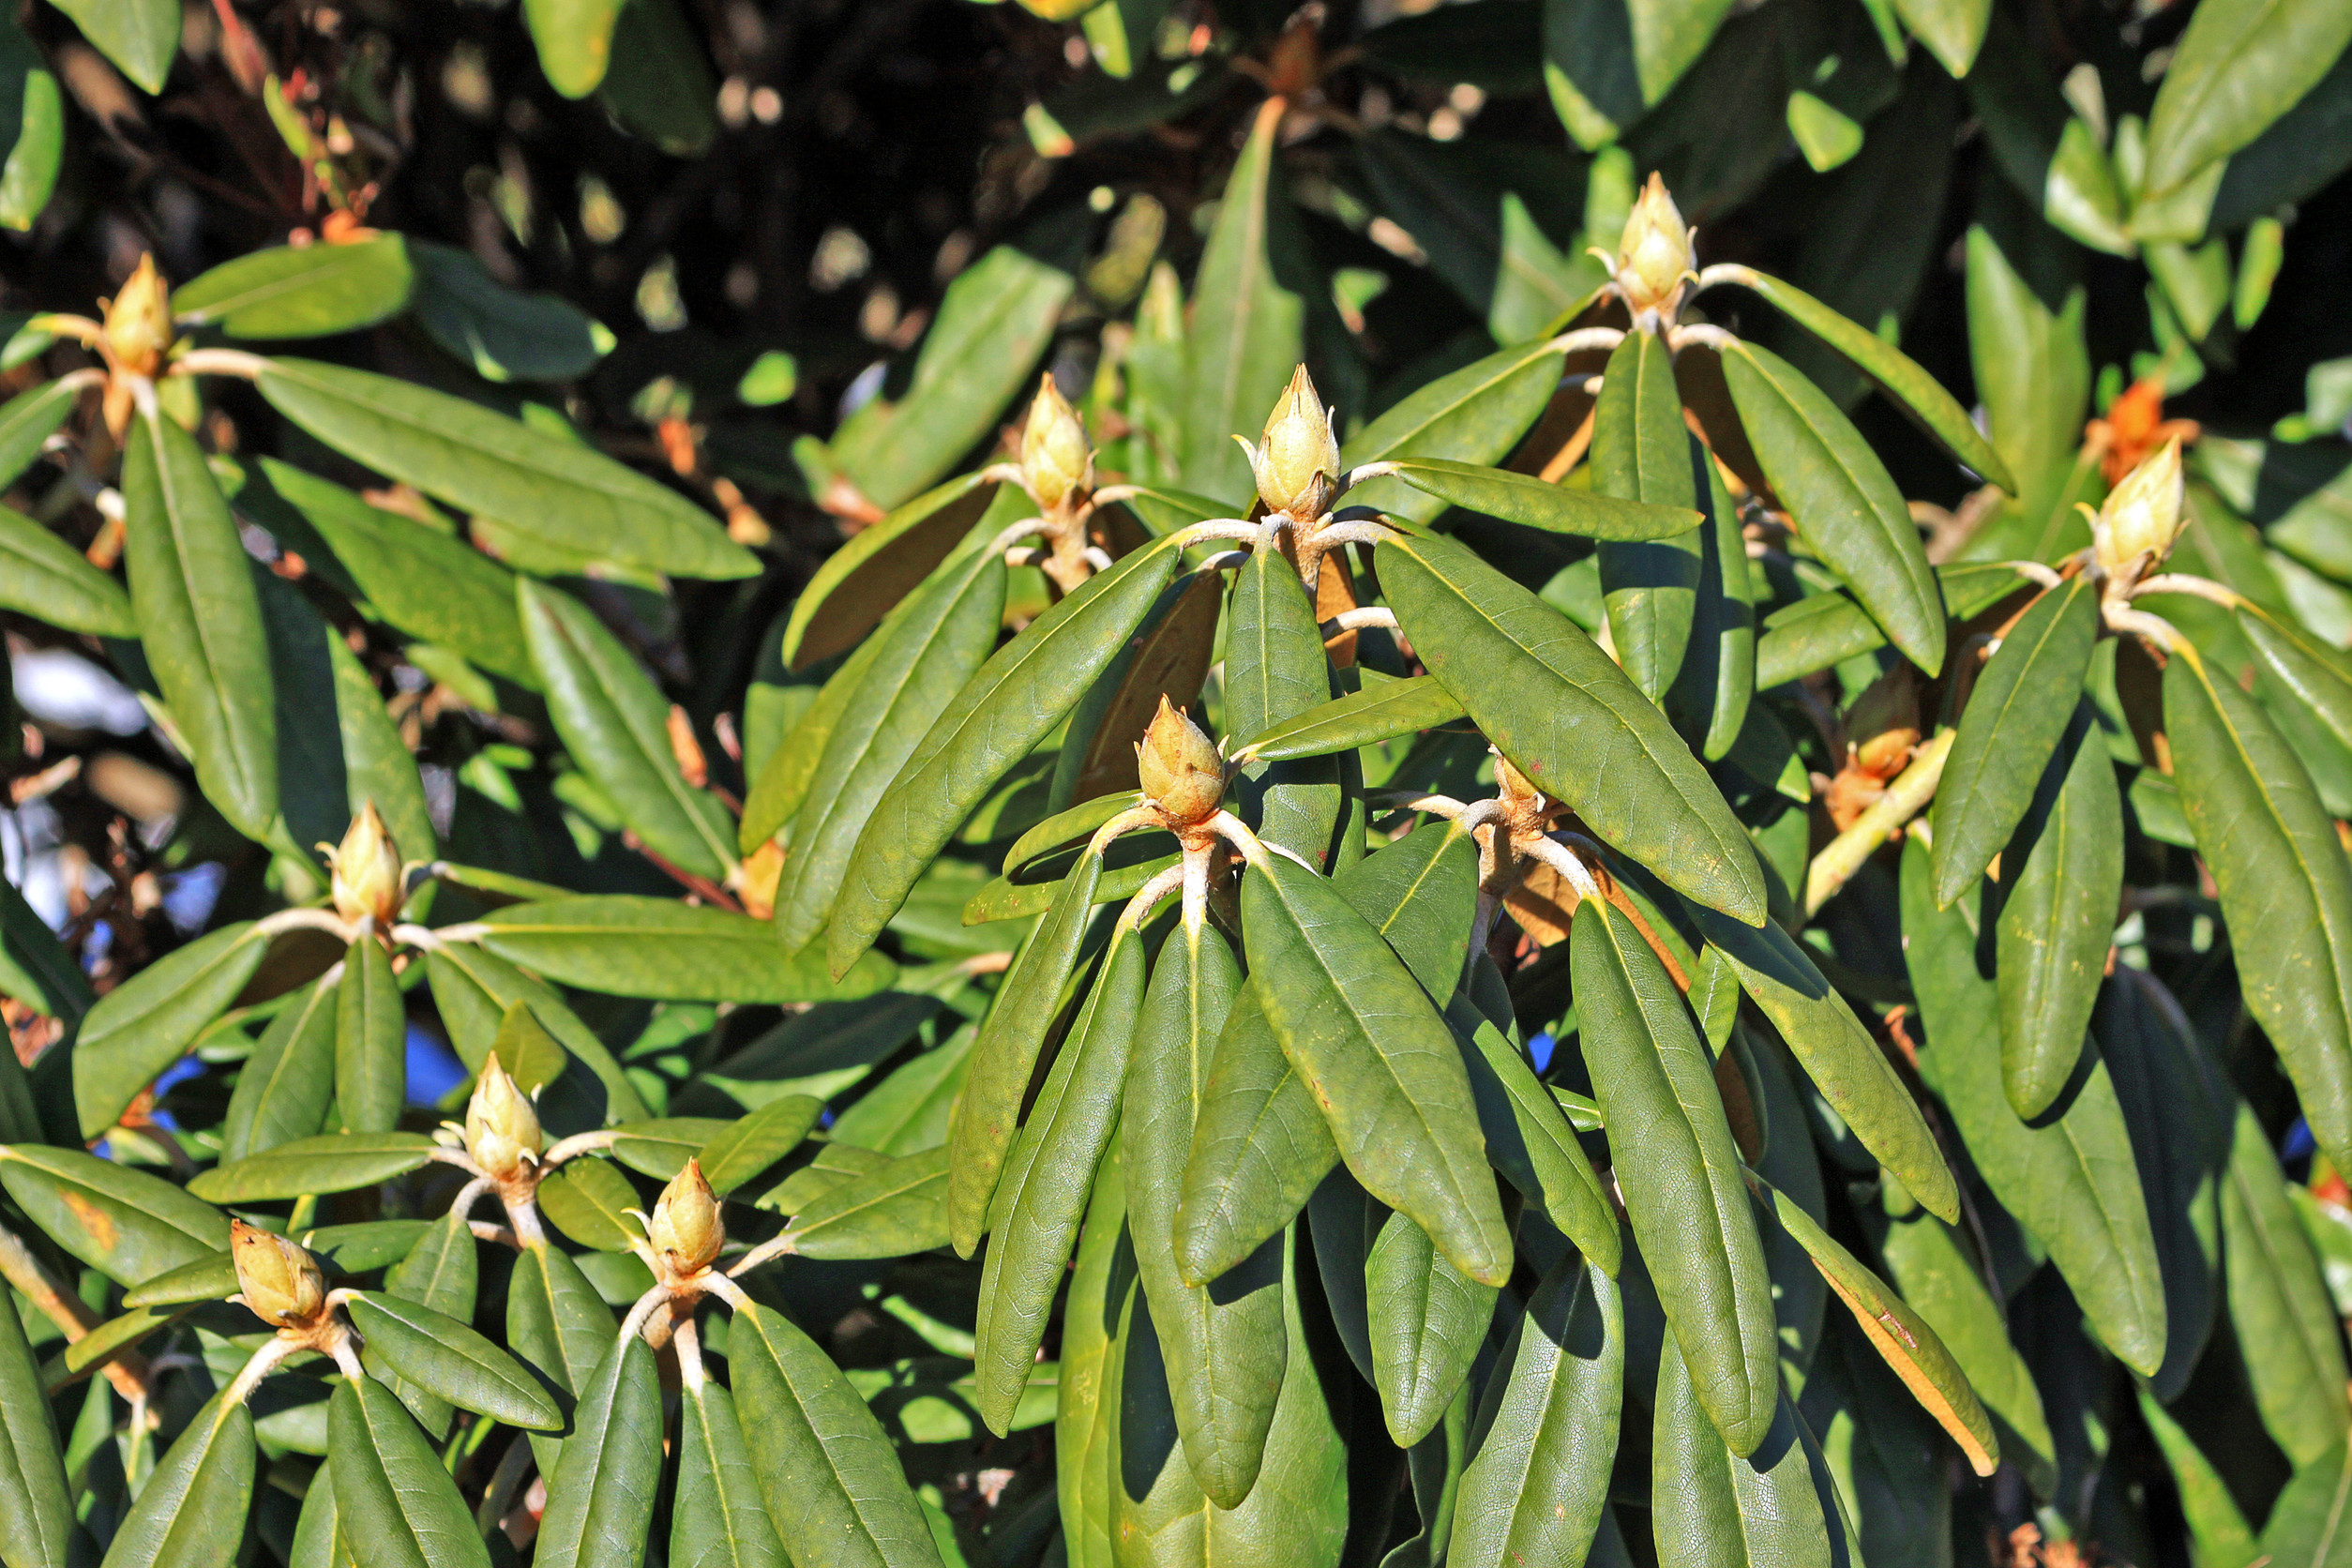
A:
x: 37, y: 110
x: 824, y: 1466
x: 1378, y: 713
x: 2071, y: 1181
x: 719, y: 1519
x: 1087, y: 1400
x: 2029, y: 361
x: 1776, y: 1506
x: 335, y: 1162
x: 1571, y: 720
x: 661, y: 948
x: 589, y: 1202
x: 1475, y: 415
x: 1428, y: 1323
x: 2279, y: 1304
x: 439, y: 1272
x: 1274, y: 666
x: 1606, y: 65
x: 1641, y: 451
x: 574, y: 40
x: 1840, y: 497
x: 371, y: 1041
x: 391, y: 1491
x: 559, y: 1325
x: 2218, y: 1530
x: 2063, y: 876
x: 863, y: 580
x: 37, y: 1518
x: 1529, y: 1141
x: 1678, y: 1172
x: 1033, y: 1218
x: 1537, y: 1484
x: 1371, y: 1047
x: 309, y: 291
x: 1526, y: 499
x: 200, y: 621
x: 1244, y: 337
x: 748, y: 1148
x: 340, y: 1249
x: 446, y: 1357
x: 1014, y: 702
x: 2314, y: 673
x: 1837, y: 1053
x: 476, y: 993
x: 503, y: 334
x: 948, y: 631
x: 125, y: 1224
x: 2028, y: 690
x: 541, y: 484
x: 140, y: 36
x: 191, y: 1512
x: 2286, y: 887
x: 2052, y: 156
x: 2239, y: 67
x: 44, y: 576
x: 287, y: 1084
x: 600, y: 1502
x: 896, y: 1208
x: 1828, y: 628
x: 1892, y: 1469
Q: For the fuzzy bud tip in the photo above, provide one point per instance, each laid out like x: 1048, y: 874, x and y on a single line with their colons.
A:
x: 501, y: 1128
x: 2143, y: 515
x: 686, y: 1231
x: 280, y: 1280
x: 1297, y: 461
x: 1056, y: 458
x: 1179, y: 768
x: 1656, y: 251
x: 139, y: 322
x: 367, y: 877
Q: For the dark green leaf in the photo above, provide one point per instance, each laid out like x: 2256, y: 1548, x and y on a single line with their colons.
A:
x: 600, y: 1503
x: 446, y: 1357
x: 752, y: 1145
x: 1383, y: 710
x: 661, y: 948
x: 1778, y: 1506
x: 125, y: 1224
x: 1641, y: 451
x: 2286, y: 1326
x: 190, y: 1514
x: 1428, y: 1323
x: 1524, y: 499
x: 2240, y: 66
x: 336, y: 1161
x: 286, y: 1085
x: 1245, y: 333
x: 503, y: 334
x: 308, y: 292
x: 717, y: 1519
x: 589, y: 1201
x: 44, y: 576
x: 1824, y: 629
x: 391, y: 1491
x: 370, y: 1042
x: 894, y: 1209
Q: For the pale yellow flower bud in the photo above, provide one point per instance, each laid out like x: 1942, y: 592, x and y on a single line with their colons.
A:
x: 139, y: 322
x: 1056, y: 458
x: 1179, y: 767
x: 367, y: 879
x: 280, y: 1280
x: 2143, y: 513
x: 501, y: 1128
x: 1297, y: 461
x: 686, y: 1231
x: 1655, y: 250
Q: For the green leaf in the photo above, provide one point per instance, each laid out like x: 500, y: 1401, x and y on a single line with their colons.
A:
x: 896, y: 1208
x: 1711, y: 694
x: 600, y: 1503
x: 1382, y: 711
x: 36, y: 967
x: 1274, y: 666
x: 336, y: 1161
x: 1524, y: 499
x: 1824, y: 629
x: 749, y: 1147
x: 139, y: 36
x: 2305, y: 1527
x: 1087, y: 1402
x: 504, y: 335
x: 2219, y: 1534
x: 1919, y: 395
x: 190, y: 1514
x: 27, y: 421
x: 2062, y: 882
x: 662, y: 1147
x: 859, y: 583
x: 37, y: 1514
x: 391, y: 1489
x: 1245, y: 333
x: 44, y: 576
x: 994, y: 321
x: 145, y: 1024
x: 199, y: 620
x: 2051, y: 156
x: 446, y: 1357
x: 1778, y: 1506
x: 1475, y: 415
x: 1642, y: 451
x: 1606, y: 62
x: 717, y: 1519
x: 2311, y: 670
x: 2070, y: 1180
x: 1840, y: 497
x: 1428, y: 1323
x: 286, y: 1085
x: 2286, y: 887
x: 1537, y: 1486
x: 541, y: 486
x: 2287, y: 1325
x: 2240, y: 66
x: 477, y: 992
x: 1952, y: 30
x: 1890, y: 1468
x: 659, y: 86
x: 340, y: 1249
x: 439, y: 1271
x: 1041, y: 1198
x: 1528, y: 1139
x: 1678, y: 1172
x: 125, y: 1224
x: 573, y: 39
x: 36, y: 136
x: 312, y: 291
x: 1372, y: 1049
x: 2028, y: 690
x: 1569, y: 718
x: 925, y: 655
x: 559, y: 1326
x: 429, y: 585
x: 823, y: 1465
x: 1001, y: 715
x: 589, y: 1201
x: 628, y: 945
x: 2028, y: 358
x: 377, y: 765
x: 370, y: 1042
x: 907, y: 1112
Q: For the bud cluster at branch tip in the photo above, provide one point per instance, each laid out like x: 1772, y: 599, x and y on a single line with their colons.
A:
x: 1655, y: 253
x: 138, y: 327
x: 501, y: 1128
x: 1179, y: 768
x: 366, y: 871
x: 279, y: 1279
x: 1056, y: 457
x: 1296, y: 461
x: 2143, y: 515
x: 686, y: 1231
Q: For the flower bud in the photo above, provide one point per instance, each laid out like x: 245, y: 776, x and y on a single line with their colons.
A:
x: 1056, y: 458
x: 139, y: 322
x: 1655, y: 250
x: 501, y: 1128
x: 367, y: 879
x: 279, y: 1279
x: 2143, y: 513
x: 686, y: 1231
x: 1882, y: 726
x: 1179, y: 768
x: 1297, y: 462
